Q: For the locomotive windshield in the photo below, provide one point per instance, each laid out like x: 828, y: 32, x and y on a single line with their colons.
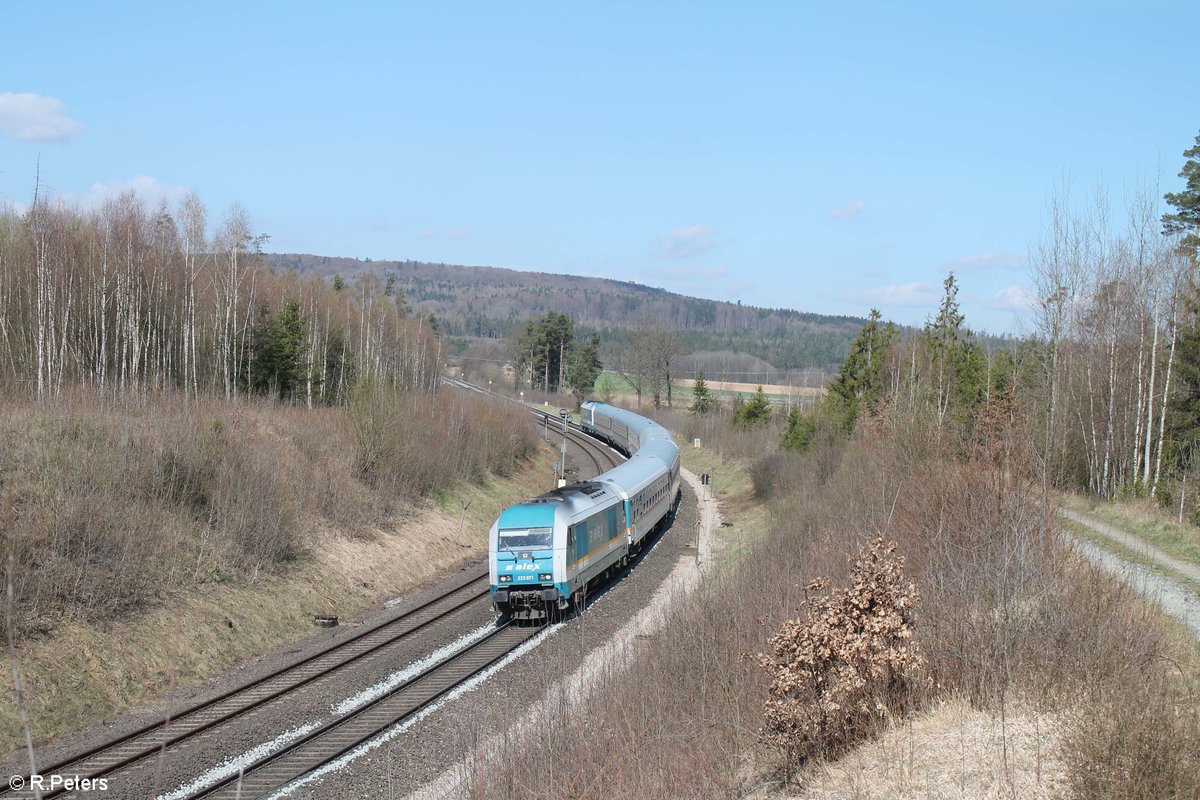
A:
x: 525, y: 538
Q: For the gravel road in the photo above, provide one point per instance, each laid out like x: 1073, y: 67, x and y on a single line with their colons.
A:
x: 1176, y: 599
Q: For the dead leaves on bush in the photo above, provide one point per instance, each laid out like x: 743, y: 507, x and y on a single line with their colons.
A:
x: 847, y: 664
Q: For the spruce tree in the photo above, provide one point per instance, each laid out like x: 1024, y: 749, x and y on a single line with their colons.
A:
x: 756, y: 411
x: 960, y: 370
x: 277, y: 364
x: 858, y: 384
x: 1186, y: 219
x: 800, y: 432
x: 1183, y: 407
x: 702, y: 397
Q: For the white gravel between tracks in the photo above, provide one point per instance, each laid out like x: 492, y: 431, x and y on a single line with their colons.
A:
x: 574, y: 690
x: 235, y: 765
x: 402, y: 676
x: 232, y: 766
x: 396, y: 730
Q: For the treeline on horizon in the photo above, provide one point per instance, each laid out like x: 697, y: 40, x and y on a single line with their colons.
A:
x: 132, y: 297
x: 494, y: 303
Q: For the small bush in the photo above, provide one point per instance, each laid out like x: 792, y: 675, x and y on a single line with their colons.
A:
x: 847, y: 667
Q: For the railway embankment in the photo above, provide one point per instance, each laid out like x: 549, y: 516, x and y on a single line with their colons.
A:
x: 615, y: 655
x: 137, y: 501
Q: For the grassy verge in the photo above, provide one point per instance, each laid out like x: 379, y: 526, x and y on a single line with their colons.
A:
x: 746, y: 520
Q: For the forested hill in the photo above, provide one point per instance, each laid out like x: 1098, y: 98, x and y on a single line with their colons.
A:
x: 490, y: 302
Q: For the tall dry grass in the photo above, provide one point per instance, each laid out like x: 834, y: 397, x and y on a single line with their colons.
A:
x: 122, y: 501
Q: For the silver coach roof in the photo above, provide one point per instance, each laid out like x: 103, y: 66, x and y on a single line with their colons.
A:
x: 648, y: 463
x: 646, y: 429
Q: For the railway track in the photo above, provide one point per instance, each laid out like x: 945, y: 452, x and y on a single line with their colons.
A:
x: 329, y: 742
x: 341, y: 735
x: 153, y: 740
x: 600, y: 455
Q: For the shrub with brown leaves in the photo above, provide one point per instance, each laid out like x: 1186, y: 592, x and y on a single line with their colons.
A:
x: 847, y: 666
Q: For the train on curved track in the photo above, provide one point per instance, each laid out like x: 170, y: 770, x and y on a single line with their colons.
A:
x: 544, y: 553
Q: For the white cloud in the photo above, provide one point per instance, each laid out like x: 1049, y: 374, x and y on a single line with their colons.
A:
x: 12, y: 207
x: 687, y: 274
x: 851, y: 211
x: 688, y: 242
x: 33, y: 118
x: 150, y: 190
x: 459, y: 233
x: 905, y: 294
x: 737, y: 287
x: 1014, y: 262
x: 1014, y: 298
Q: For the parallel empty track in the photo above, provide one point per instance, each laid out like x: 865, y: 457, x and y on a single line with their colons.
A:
x: 331, y: 741
x: 152, y: 740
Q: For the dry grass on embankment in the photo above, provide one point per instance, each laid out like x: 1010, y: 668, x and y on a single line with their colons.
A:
x: 1041, y: 676
x: 158, y: 542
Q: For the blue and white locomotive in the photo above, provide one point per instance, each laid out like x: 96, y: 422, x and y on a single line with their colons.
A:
x: 543, y: 553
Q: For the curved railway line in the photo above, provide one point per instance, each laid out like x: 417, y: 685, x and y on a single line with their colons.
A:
x: 600, y: 455
x: 327, y: 743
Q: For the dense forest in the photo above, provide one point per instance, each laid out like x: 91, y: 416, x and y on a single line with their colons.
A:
x: 493, y: 303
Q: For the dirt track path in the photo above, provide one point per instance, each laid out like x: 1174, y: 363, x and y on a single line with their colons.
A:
x: 1135, y: 544
x: 1176, y: 598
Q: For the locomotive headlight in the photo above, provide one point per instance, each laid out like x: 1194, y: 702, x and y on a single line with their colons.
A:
x: 506, y: 578
x: 545, y: 576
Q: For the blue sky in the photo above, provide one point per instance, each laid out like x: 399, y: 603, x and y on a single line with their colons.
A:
x: 825, y: 157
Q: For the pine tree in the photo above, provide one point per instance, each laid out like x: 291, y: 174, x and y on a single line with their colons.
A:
x: 1186, y: 219
x: 756, y: 411
x: 585, y: 368
x: 702, y: 397
x: 545, y: 349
